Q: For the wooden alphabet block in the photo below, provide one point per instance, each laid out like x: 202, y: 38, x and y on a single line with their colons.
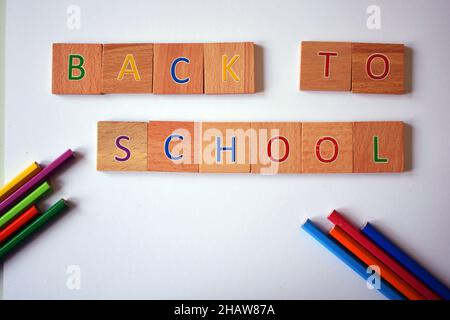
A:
x: 173, y: 146
x: 327, y: 147
x: 378, y: 147
x: 77, y: 68
x: 277, y: 147
x: 225, y: 147
x: 229, y: 68
x: 127, y: 68
x: 326, y: 66
x: 178, y: 68
x: 121, y: 146
x: 377, y: 68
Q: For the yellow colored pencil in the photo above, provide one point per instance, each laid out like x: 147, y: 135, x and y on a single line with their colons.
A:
x: 19, y: 180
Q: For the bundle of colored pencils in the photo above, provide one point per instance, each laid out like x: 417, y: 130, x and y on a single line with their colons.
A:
x: 19, y: 214
x: 401, y: 276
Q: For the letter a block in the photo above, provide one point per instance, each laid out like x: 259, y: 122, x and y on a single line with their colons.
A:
x: 378, y: 147
x: 121, y: 146
x: 225, y: 147
x: 173, y: 146
x: 178, y: 68
x: 378, y: 68
x: 277, y: 147
x: 326, y: 66
x: 127, y: 68
x: 77, y: 68
x: 229, y: 68
x: 327, y: 147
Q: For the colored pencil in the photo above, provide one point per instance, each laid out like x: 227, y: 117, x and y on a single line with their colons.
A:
x: 409, y: 263
x: 32, y: 227
x: 37, y: 179
x: 18, y: 223
x: 25, y: 203
x: 347, y: 258
x: 353, y: 232
x: 366, y: 257
x: 19, y: 180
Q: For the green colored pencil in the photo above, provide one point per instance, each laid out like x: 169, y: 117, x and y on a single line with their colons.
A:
x: 33, y: 226
x: 25, y: 203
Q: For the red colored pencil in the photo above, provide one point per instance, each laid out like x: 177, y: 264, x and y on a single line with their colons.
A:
x: 336, y: 218
x: 18, y: 223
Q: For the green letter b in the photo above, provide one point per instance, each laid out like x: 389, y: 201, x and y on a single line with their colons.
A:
x: 78, y: 66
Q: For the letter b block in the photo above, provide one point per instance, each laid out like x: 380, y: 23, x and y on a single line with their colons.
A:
x: 377, y: 68
x: 326, y: 66
x: 229, y: 68
x: 77, y: 68
x: 121, y: 146
x: 327, y: 147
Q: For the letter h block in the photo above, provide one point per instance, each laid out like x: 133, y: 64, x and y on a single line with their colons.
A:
x: 77, y: 68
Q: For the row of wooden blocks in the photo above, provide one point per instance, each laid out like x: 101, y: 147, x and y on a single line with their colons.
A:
x: 161, y: 68
x: 256, y: 147
x: 356, y: 67
x: 220, y: 68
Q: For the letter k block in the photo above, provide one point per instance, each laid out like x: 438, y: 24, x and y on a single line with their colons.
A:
x: 326, y: 66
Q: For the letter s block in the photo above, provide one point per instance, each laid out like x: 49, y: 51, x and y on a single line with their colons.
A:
x: 378, y: 68
x: 77, y: 68
x: 327, y: 147
x: 326, y: 66
x: 121, y: 146
x: 229, y: 68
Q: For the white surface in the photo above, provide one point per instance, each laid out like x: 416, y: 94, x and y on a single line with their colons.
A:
x: 148, y: 235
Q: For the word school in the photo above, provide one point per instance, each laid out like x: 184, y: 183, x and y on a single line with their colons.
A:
x: 256, y: 147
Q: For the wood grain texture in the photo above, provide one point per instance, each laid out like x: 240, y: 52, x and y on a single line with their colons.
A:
x: 225, y: 131
x: 158, y: 132
x: 115, y: 58
x: 393, y: 82
x: 91, y: 82
x: 164, y: 55
x: 132, y: 153
x: 243, y: 68
x: 290, y: 162
x: 313, y: 133
x: 313, y: 72
x: 388, y: 156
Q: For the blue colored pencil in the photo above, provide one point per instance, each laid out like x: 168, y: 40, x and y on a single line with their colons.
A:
x: 417, y: 270
x: 347, y: 258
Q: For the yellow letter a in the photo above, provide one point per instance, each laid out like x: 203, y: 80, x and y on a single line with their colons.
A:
x: 129, y: 60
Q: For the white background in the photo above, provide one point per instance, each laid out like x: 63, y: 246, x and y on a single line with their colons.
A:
x: 155, y: 235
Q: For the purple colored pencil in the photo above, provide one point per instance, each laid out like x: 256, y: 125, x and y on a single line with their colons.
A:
x: 38, y: 178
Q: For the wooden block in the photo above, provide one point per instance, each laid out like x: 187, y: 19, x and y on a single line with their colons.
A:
x: 327, y: 147
x: 378, y: 147
x: 218, y: 135
x: 127, y: 68
x: 277, y: 148
x: 178, y: 68
x: 121, y: 146
x: 377, y: 68
x: 229, y: 68
x: 326, y: 66
x: 173, y: 146
x: 77, y: 68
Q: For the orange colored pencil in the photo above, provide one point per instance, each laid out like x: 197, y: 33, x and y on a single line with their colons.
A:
x: 18, y: 223
x: 365, y: 256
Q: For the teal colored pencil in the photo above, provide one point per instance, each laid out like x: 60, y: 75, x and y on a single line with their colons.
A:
x: 25, y: 203
x: 32, y: 227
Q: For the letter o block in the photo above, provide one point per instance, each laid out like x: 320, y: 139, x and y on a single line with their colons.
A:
x: 327, y: 147
x: 121, y: 146
x: 378, y: 68
x: 77, y: 68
